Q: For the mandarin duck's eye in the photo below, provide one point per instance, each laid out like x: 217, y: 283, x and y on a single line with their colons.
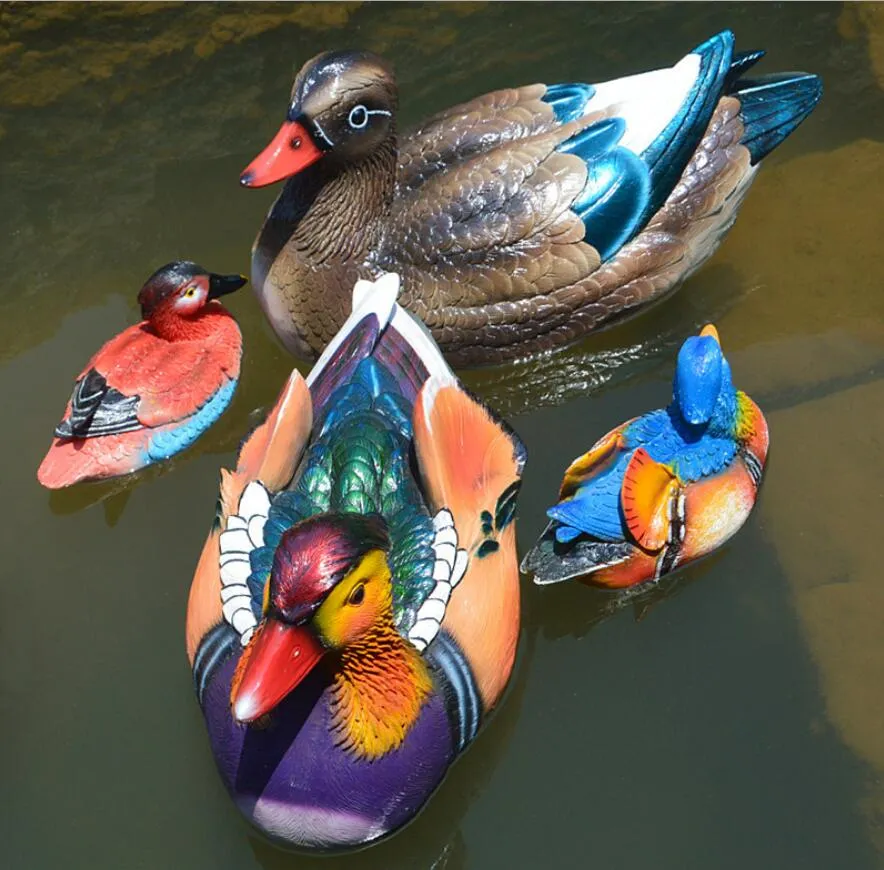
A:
x: 358, y: 117
x: 357, y: 596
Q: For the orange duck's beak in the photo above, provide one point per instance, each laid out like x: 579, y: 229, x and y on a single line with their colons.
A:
x: 276, y: 660
x: 291, y: 150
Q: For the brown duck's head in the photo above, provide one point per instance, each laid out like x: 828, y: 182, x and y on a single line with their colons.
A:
x: 343, y: 107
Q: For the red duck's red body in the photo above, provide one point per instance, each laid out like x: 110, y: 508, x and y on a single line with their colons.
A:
x: 151, y: 391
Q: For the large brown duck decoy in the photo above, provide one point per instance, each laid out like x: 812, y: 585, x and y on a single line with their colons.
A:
x: 521, y: 220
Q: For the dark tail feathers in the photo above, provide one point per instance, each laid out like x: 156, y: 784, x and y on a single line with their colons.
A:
x: 773, y: 106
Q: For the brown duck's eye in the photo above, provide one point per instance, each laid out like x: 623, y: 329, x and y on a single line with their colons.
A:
x: 357, y: 596
x: 296, y: 142
x: 358, y: 117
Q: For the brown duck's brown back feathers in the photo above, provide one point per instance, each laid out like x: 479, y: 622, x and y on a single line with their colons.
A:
x: 476, y: 215
x: 491, y: 200
x: 471, y: 128
x: 514, y: 277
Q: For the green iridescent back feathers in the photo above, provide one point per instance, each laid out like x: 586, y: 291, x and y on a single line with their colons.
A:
x: 359, y: 461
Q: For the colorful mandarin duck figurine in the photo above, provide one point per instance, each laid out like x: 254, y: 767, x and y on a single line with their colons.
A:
x: 663, y: 489
x: 154, y: 389
x: 519, y: 221
x: 354, y: 615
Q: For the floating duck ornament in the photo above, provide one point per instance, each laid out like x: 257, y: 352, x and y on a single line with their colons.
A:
x: 519, y: 221
x: 154, y: 389
x: 354, y: 615
x: 663, y: 489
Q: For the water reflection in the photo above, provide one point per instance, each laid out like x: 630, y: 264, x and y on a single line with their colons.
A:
x: 614, y: 355
x: 736, y: 724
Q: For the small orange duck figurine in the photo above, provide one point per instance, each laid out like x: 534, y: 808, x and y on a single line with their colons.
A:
x: 153, y: 390
x: 663, y: 489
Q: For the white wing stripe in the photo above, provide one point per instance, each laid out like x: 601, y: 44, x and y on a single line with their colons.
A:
x: 236, y: 539
x: 235, y: 572
x: 254, y: 501
x: 646, y: 102
x: 242, y: 621
x: 449, y: 567
x: 232, y: 590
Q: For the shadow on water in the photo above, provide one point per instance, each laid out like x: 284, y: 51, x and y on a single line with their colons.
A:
x: 620, y: 353
x: 575, y: 608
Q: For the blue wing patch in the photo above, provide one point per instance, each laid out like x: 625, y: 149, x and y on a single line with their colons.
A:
x: 707, y: 456
x: 595, y: 507
x: 617, y: 187
x: 569, y: 100
x: 624, y: 190
x: 649, y: 426
x: 668, y: 155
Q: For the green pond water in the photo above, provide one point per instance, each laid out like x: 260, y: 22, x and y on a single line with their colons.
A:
x: 733, y: 719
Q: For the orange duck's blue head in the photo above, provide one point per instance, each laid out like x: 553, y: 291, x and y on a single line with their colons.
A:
x: 703, y: 393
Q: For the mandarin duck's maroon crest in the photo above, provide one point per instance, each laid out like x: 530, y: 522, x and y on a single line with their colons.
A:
x: 521, y: 220
x: 154, y: 389
x: 314, y: 555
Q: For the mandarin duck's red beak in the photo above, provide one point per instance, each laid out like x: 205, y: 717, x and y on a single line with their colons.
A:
x: 277, y: 659
x: 291, y: 150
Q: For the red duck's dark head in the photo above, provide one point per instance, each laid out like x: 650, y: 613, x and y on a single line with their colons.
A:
x: 329, y: 587
x: 179, y: 292
x: 343, y: 107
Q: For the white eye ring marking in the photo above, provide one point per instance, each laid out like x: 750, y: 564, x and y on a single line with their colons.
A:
x: 359, y: 115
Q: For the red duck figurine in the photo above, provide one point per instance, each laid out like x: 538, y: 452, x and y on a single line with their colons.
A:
x: 153, y: 390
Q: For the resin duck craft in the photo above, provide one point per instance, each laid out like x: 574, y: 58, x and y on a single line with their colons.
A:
x: 154, y: 389
x: 663, y: 489
x: 519, y: 221
x: 354, y: 615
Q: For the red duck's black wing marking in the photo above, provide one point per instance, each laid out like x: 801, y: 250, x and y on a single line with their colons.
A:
x: 97, y: 409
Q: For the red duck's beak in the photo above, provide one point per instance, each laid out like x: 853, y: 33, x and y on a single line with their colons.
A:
x: 221, y: 285
x: 278, y: 657
x: 291, y: 150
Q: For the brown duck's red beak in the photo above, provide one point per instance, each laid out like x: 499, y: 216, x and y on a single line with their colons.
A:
x: 276, y: 660
x: 291, y: 150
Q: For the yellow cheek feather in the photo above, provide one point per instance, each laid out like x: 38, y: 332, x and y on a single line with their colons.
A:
x: 381, y: 682
x: 348, y: 613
